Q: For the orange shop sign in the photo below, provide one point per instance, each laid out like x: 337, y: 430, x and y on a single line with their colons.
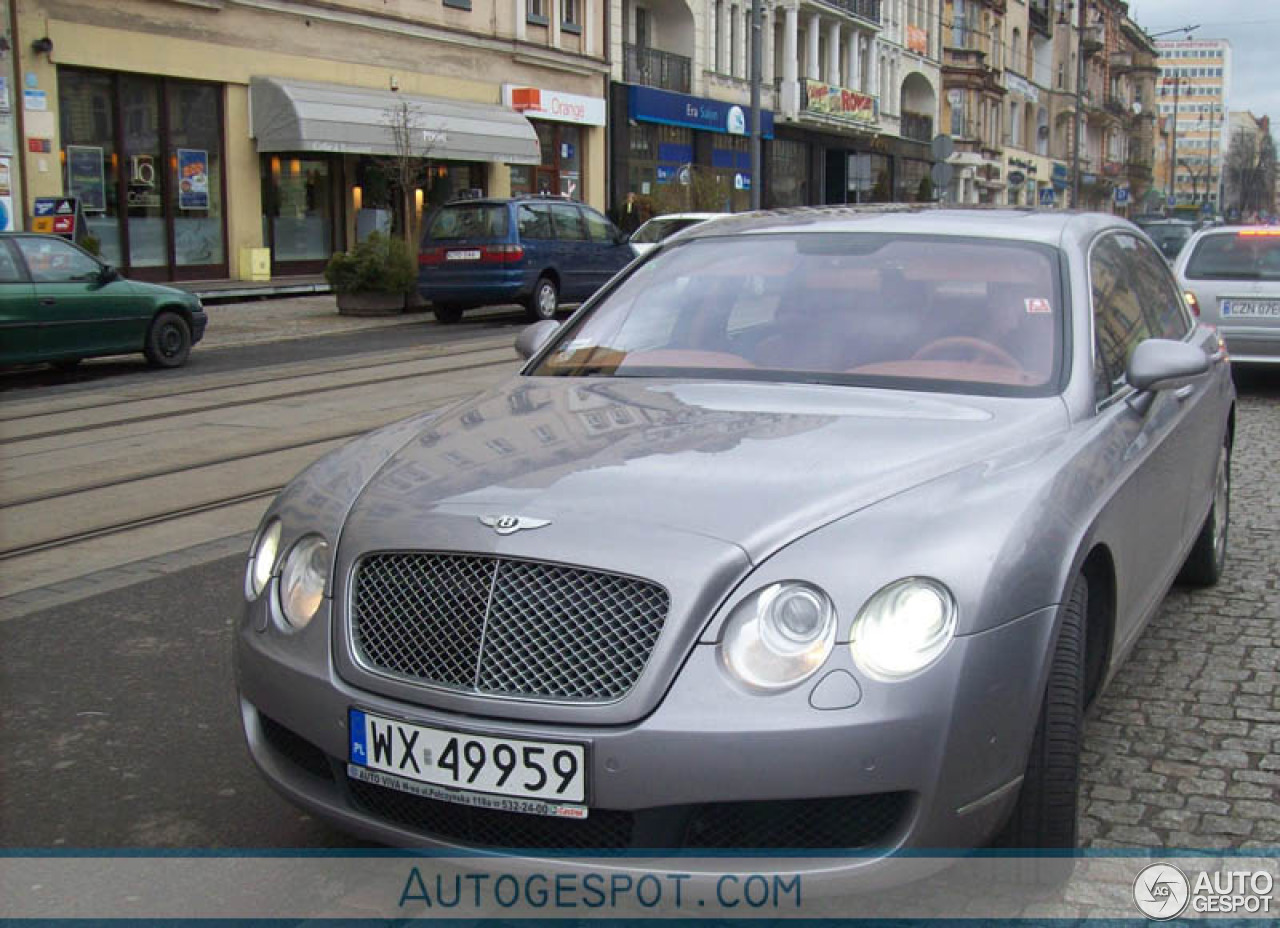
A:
x: 540, y: 103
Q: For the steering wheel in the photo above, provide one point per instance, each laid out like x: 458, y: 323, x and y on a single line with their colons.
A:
x: 981, y: 350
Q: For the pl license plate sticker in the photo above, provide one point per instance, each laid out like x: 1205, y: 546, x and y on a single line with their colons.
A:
x: 554, y: 772
x: 1038, y: 305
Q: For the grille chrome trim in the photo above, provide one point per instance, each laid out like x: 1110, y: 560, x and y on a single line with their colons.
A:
x: 433, y: 626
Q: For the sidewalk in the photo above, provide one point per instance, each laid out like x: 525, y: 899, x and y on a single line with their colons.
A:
x: 272, y: 320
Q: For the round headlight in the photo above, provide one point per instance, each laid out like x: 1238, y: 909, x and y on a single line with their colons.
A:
x: 780, y: 635
x: 262, y: 558
x: 302, y: 580
x: 903, y: 628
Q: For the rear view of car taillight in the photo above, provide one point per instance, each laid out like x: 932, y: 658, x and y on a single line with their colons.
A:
x: 1192, y: 302
x: 501, y: 254
x: 430, y: 256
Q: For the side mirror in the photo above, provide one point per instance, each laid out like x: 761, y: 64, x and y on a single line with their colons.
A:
x: 530, y: 341
x: 1161, y: 364
x: 107, y: 274
x: 620, y: 237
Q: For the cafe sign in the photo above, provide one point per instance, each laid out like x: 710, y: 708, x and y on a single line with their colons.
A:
x: 840, y: 102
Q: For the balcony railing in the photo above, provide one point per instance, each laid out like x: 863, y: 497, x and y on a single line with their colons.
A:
x: 865, y: 9
x: 1038, y: 13
x: 917, y: 126
x: 654, y: 68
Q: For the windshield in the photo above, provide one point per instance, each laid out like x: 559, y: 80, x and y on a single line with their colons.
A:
x: 1169, y: 238
x: 1246, y: 255
x: 927, y: 312
x: 470, y: 222
x: 655, y: 230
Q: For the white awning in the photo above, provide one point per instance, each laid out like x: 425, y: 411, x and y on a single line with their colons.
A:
x: 289, y: 116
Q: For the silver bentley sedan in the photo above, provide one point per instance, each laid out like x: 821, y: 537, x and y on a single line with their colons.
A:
x: 813, y: 529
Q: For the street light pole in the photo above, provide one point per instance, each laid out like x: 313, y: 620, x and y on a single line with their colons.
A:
x: 1173, y: 141
x: 756, y: 55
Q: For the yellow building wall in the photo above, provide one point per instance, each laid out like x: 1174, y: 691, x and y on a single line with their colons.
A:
x: 91, y: 46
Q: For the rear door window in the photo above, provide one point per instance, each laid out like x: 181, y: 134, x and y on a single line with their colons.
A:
x: 1166, y: 311
x: 568, y: 222
x: 599, y: 228
x: 535, y: 222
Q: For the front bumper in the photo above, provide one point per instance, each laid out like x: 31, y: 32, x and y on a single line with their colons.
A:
x: 928, y: 763
x: 199, y: 322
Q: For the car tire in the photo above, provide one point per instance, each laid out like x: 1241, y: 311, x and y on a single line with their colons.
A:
x: 1045, y: 817
x: 544, y: 301
x: 168, y: 341
x: 447, y: 313
x: 1208, y: 557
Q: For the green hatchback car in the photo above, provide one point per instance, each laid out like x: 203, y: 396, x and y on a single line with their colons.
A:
x: 60, y: 304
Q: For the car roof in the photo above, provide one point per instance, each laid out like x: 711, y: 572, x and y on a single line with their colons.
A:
x: 1049, y: 227
x: 518, y: 198
x: 687, y: 216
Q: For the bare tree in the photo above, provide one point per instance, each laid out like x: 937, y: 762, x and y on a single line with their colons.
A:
x: 1250, y: 172
x: 409, y: 165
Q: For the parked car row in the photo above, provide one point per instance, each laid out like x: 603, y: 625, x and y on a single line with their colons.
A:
x: 535, y: 250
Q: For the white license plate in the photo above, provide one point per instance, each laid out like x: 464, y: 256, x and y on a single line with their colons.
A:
x: 466, y: 254
x: 554, y: 772
x: 1256, y: 309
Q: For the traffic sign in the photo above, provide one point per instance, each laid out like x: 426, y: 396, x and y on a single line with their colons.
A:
x: 941, y: 147
x: 1046, y: 196
x: 1122, y: 194
x: 941, y: 174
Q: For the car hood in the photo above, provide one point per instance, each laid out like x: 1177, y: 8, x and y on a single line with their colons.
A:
x: 160, y: 291
x: 753, y: 465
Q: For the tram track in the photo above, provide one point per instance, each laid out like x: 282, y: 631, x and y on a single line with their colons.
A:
x: 10, y: 441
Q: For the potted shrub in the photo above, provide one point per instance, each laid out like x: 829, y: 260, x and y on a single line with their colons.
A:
x: 374, y: 278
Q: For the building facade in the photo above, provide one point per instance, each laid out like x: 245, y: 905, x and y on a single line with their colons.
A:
x: 191, y: 130
x: 849, y: 102
x: 1195, y: 97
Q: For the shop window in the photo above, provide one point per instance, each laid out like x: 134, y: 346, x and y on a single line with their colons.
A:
x: 788, y: 173
x: 298, y: 208
x: 196, y: 173
x: 90, y: 159
x: 143, y: 155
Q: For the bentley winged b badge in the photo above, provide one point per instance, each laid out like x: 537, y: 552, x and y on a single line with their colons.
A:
x: 506, y: 525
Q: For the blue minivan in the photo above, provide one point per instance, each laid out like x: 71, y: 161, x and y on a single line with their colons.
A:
x: 535, y: 250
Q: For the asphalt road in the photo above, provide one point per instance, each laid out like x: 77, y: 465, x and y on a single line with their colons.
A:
x: 118, y: 722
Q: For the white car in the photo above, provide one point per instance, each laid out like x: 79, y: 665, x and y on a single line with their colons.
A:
x: 1231, y: 278
x: 647, y: 237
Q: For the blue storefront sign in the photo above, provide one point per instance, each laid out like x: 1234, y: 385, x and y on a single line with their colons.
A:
x: 648, y: 104
x: 1060, y: 176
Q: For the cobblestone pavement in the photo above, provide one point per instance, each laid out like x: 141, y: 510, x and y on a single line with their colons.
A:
x: 1183, y: 749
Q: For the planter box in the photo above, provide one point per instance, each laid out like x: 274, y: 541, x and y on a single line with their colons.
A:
x: 370, y: 304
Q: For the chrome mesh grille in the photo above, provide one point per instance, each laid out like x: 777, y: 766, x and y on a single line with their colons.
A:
x: 496, y: 626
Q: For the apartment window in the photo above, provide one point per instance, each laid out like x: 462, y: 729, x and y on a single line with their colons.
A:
x: 536, y: 11
x: 571, y: 14
x: 642, y: 27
